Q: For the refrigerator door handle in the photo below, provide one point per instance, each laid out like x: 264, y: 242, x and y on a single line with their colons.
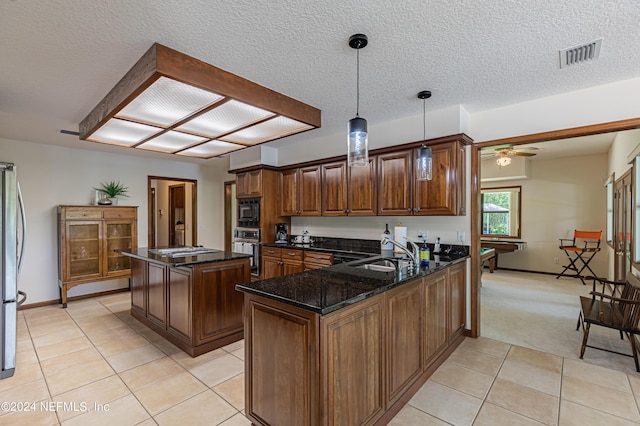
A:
x: 24, y: 297
x: 23, y: 218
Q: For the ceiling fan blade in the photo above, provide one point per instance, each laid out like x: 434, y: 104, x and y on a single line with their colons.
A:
x: 522, y: 154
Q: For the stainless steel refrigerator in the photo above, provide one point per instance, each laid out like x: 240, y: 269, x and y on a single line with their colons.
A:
x: 12, y: 250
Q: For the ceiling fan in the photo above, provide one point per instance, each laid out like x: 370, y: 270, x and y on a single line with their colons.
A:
x: 505, y: 152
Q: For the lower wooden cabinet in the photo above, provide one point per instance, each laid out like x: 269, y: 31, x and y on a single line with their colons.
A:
x: 197, y: 308
x: 279, y: 261
x: 355, y: 366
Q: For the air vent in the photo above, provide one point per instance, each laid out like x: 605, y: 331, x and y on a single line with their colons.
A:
x: 582, y: 53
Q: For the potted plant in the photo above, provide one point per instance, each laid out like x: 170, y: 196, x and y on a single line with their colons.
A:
x: 111, y: 190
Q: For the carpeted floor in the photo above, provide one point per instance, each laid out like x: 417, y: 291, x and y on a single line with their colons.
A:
x: 540, y: 312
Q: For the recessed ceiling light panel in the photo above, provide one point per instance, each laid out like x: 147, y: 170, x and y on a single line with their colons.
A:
x: 275, y: 128
x: 167, y: 91
x: 225, y: 118
x: 171, y: 142
x: 123, y: 133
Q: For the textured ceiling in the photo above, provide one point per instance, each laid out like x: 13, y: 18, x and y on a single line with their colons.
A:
x: 60, y: 57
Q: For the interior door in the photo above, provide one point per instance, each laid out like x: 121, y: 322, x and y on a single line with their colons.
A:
x: 623, y: 211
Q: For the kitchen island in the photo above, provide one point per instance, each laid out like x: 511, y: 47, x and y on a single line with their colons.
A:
x: 348, y: 344
x: 188, y: 295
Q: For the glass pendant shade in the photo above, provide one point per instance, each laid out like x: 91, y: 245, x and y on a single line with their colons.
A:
x: 357, y: 143
x: 423, y: 163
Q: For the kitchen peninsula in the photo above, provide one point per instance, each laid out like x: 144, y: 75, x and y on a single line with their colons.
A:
x: 349, y: 343
x: 188, y: 295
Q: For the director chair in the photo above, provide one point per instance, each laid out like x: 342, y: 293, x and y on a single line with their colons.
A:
x: 580, y: 250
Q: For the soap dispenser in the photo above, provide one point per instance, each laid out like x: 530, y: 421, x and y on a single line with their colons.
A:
x: 386, y: 249
x: 436, y: 252
x: 425, y: 255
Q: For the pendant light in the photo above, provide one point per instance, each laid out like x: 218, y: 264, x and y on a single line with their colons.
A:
x: 423, y: 162
x: 503, y: 160
x: 357, y: 138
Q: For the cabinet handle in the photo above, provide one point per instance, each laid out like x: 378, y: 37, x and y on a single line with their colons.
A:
x: 291, y: 254
x: 416, y: 210
x: 409, y: 209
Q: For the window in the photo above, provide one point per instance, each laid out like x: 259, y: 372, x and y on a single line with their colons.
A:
x: 610, y: 198
x: 501, y: 212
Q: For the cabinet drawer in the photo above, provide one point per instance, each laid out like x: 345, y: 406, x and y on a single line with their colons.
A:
x: 271, y: 252
x: 82, y: 213
x: 119, y: 213
x: 291, y: 254
x: 318, y: 257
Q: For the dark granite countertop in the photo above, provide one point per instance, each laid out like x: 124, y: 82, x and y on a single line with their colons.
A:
x: 212, y: 255
x: 328, y: 289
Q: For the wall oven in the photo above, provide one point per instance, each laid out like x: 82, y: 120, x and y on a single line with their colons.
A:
x: 247, y: 240
x: 249, y: 212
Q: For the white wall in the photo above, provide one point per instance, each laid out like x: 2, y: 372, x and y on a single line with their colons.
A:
x: 560, y: 196
x: 51, y: 175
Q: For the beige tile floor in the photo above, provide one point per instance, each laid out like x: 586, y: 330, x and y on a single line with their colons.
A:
x: 92, y: 363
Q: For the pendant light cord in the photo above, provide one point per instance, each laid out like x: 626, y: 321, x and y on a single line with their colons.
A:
x: 424, y: 119
x: 358, y: 83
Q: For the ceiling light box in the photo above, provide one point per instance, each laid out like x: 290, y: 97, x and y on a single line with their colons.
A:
x: 173, y: 103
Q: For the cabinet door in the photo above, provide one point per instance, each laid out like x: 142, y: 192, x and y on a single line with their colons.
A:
x: 156, y: 302
x: 309, y: 193
x: 457, y: 302
x: 435, y: 325
x: 271, y: 267
x: 83, y: 250
x: 118, y: 235
x: 361, y: 190
x: 179, y: 304
x: 291, y: 266
x: 395, y: 183
x: 242, y: 184
x: 353, y: 383
x: 404, y: 338
x: 139, y: 286
x: 334, y: 189
x: 439, y: 196
x: 254, y: 183
x: 289, y: 192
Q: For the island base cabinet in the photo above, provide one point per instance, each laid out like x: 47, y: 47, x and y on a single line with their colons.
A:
x: 194, y: 307
x: 281, y: 354
x: 358, y: 365
x: 352, y: 364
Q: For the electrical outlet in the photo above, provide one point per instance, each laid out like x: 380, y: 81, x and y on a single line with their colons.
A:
x: 423, y: 234
x: 555, y: 260
x: 305, y: 230
x: 461, y: 236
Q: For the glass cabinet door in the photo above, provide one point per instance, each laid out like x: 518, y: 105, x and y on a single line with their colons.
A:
x: 83, y: 241
x: 118, y: 236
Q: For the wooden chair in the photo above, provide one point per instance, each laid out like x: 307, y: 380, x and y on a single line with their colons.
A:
x: 583, y: 246
x: 618, y: 309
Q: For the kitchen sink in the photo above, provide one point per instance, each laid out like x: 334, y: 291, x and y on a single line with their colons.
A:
x: 382, y: 265
x: 380, y: 268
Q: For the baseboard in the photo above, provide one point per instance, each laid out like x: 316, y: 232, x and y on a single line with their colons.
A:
x: 71, y: 299
x: 524, y: 270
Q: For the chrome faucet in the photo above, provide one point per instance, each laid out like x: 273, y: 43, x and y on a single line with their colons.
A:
x: 413, y: 254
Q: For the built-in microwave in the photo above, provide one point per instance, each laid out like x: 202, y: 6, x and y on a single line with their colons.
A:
x: 249, y: 212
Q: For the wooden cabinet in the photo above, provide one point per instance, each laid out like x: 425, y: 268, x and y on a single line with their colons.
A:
x: 349, y: 190
x: 278, y: 261
x: 400, y: 194
x: 444, y: 195
x: 404, y: 328
x: 249, y: 184
x: 316, y: 260
x: 355, y: 366
x: 88, y: 237
x: 300, y: 191
x: 457, y: 300
x: 197, y: 308
x: 435, y: 315
x: 353, y: 385
x: 395, y: 183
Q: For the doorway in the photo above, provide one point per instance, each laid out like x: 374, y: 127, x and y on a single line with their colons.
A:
x: 172, y: 209
x: 558, y: 136
x: 623, y: 208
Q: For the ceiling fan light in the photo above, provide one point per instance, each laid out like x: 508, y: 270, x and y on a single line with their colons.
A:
x: 503, y: 161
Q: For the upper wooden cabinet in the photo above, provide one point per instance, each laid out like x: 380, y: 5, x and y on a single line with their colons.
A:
x: 249, y: 184
x: 349, y: 190
x: 400, y: 194
x: 300, y: 191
